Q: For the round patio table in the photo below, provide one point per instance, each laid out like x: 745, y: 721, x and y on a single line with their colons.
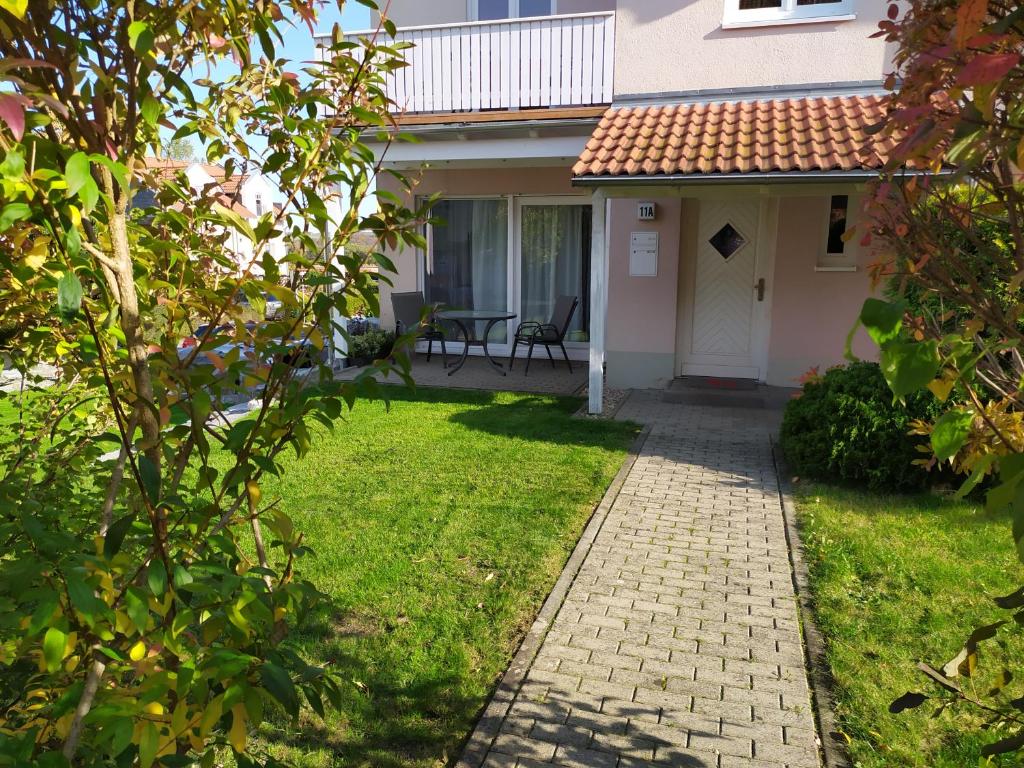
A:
x: 467, y: 319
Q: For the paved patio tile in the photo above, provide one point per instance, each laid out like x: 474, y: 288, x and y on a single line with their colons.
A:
x: 478, y: 374
x: 678, y: 642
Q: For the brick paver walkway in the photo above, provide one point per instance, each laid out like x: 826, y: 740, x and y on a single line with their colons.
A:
x: 678, y: 642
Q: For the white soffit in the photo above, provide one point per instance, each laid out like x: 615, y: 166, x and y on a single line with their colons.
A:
x: 512, y: 150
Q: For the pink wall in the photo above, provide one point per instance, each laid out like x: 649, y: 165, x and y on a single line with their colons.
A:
x: 812, y: 312
x: 642, y: 310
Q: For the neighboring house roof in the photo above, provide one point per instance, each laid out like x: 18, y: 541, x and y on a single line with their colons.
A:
x: 825, y: 134
x: 165, y: 168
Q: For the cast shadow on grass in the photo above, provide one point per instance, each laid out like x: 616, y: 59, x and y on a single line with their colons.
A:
x: 965, y: 514
x: 545, y: 418
x: 383, y: 722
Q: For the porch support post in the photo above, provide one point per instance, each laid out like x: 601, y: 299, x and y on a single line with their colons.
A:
x: 598, y: 299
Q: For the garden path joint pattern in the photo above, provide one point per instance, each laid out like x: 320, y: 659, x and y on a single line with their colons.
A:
x: 678, y: 642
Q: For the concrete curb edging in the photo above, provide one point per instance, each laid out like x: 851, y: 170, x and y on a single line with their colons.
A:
x: 493, y: 715
x: 833, y: 751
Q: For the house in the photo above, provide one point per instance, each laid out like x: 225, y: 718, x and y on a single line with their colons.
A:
x: 250, y: 195
x: 687, y: 168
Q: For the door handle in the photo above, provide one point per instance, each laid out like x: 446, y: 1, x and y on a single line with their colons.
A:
x: 760, y: 289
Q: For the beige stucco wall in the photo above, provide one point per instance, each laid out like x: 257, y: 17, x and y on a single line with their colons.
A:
x: 476, y: 181
x: 812, y: 312
x: 641, y: 334
x: 664, y: 46
x: 416, y: 13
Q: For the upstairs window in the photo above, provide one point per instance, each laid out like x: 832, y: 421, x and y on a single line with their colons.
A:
x: 493, y: 10
x: 754, y: 13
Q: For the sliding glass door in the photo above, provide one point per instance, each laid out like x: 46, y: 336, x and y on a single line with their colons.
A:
x: 519, y: 254
x: 467, y: 261
x: 554, y: 245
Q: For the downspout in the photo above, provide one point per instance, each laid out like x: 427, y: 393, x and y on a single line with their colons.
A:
x: 598, y: 299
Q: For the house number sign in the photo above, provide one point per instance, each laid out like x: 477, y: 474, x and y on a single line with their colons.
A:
x: 646, y: 211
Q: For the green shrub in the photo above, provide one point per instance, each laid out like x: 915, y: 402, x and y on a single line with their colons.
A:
x: 845, y: 427
x: 372, y: 345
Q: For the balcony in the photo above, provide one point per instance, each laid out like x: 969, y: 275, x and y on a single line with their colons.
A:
x: 508, y: 65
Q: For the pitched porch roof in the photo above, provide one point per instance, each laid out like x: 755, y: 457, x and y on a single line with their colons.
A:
x: 729, y: 139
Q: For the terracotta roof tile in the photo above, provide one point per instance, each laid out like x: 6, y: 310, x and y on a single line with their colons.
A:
x: 770, y: 135
x: 165, y: 168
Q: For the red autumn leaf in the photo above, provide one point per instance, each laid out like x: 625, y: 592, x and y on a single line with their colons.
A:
x: 12, y: 113
x: 986, y: 68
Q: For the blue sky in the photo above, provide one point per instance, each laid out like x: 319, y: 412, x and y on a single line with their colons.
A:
x: 298, y: 45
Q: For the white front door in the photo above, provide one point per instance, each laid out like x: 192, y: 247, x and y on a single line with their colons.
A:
x: 724, y: 300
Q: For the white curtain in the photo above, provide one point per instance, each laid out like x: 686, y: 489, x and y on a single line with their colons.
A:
x: 489, y: 254
x: 467, y: 267
x: 553, y: 261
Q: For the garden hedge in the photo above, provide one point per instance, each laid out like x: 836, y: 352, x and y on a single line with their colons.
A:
x: 845, y: 427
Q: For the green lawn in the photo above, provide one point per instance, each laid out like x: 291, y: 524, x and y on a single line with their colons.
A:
x: 897, y: 580
x: 439, y: 528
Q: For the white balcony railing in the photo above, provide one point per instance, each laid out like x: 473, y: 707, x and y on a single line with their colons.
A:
x: 549, y: 61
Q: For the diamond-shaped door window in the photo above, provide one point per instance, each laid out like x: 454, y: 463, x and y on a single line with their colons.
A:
x: 727, y: 241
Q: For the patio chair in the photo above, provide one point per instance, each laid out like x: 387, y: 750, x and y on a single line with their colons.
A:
x: 548, y: 334
x: 409, y: 315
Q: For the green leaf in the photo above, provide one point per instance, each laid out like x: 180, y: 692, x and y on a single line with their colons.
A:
x: 13, y: 212
x: 976, y: 475
x: 149, y: 743
x: 13, y: 166
x: 118, y: 172
x: 157, y: 578
x: 115, y: 536
x: 150, y: 478
x: 151, y: 110
x: 235, y: 221
x: 43, y: 613
x: 53, y: 648
x: 69, y: 295
x: 72, y: 242
x: 140, y: 38
x: 89, y: 194
x: 882, y: 320
x: 77, y: 173
x: 83, y: 598
x: 950, y: 432
x: 137, y: 608
x: 280, y: 686
x: 909, y: 366
x: 182, y: 578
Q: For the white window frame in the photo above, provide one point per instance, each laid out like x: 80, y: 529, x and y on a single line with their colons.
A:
x: 788, y: 13
x: 473, y: 10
